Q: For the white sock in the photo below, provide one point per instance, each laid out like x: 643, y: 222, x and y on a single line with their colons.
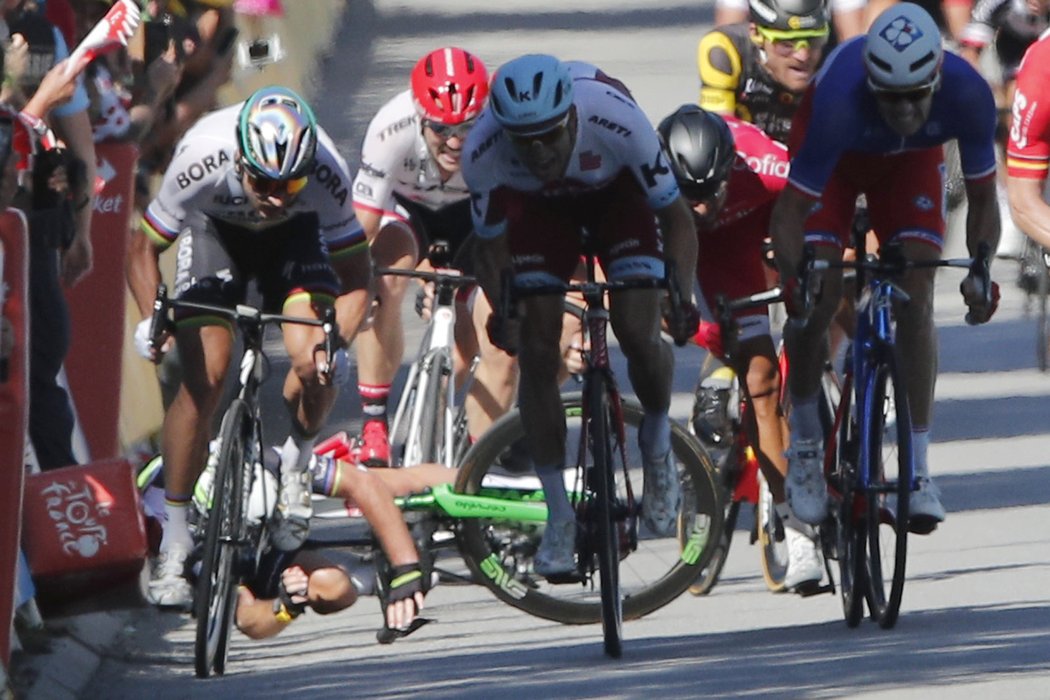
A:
x: 655, y: 433
x: 920, y: 446
x: 176, y: 531
x: 805, y: 418
x: 559, y: 508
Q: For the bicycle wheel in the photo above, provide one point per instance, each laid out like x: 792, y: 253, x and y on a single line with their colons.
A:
x: 887, y: 498
x: 499, y: 552
x: 605, y: 515
x: 1042, y: 290
x: 849, y: 531
x: 216, y: 588
x: 710, y: 574
x: 418, y: 425
x: 774, y: 553
x: 432, y: 417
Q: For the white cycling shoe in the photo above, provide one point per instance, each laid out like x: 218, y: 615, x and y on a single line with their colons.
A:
x: 806, y: 490
x: 294, y: 510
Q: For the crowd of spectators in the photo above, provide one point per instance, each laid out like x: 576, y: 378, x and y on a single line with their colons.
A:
x: 51, y: 120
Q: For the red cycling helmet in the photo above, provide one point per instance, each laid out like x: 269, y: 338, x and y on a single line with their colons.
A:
x: 449, y: 86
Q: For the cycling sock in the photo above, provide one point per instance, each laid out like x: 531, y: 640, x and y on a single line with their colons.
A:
x: 325, y: 473
x: 559, y: 509
x: 176, y: 531
x: 654, y: 434
x: 805, y: 418
x: 373, y: 400
x: 920, y: 446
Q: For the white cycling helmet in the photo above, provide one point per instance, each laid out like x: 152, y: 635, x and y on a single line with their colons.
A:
x: 903, y: 50
x: 531, y: 94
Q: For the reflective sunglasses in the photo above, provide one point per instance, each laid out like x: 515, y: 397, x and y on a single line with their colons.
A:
x: 265, y: 187
x: 786, y: 43
x: 447, y: 131
x: 546, y: 138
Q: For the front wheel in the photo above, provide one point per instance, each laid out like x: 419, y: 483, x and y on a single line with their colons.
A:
x: 888, y: 496
x: 216, y: 589
x: 499, y: 552
x: 771, y: 538
x: 604, y: 520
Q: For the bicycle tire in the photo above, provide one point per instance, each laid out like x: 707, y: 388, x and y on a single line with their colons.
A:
x: 1042, y: 348
x: 435, y: 401
x: 216, y: 587
x: 890, y: 476
x: 603, y: 518
x: 773, y: 548
x: 709, y: 575
x: 499, y: 553
x: 849, y: 536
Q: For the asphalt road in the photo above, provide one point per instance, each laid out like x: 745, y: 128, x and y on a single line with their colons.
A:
x: 976, y: 612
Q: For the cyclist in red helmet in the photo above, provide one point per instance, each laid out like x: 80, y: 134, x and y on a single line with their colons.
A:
x: 409, y: 193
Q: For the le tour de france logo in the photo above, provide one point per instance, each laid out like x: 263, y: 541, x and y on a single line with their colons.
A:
x: 76, y: 509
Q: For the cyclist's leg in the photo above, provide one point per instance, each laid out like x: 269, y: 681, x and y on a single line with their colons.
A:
x: 806, y: 344
x: 301, y: 280
x: 381, y: 345
x: 204, y: 346
x: 920, y: 230
x: 496, y: 376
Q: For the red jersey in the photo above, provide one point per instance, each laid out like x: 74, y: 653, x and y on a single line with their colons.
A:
x: 759, y: 173
x: 1028, y: 153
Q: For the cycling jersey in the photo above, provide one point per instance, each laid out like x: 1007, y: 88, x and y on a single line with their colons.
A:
x: 839, y: 114
x: 395, y: 160
x: 203, y: 182
x: 730, y: 259
x: 1028, y: 152
x: 734, y: 81
x: 613, y: 136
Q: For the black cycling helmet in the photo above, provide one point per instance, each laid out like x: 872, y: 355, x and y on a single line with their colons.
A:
x: 701, y: 149
x: 802, y: 16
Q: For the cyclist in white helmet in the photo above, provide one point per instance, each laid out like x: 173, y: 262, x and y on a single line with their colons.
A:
x: 254, y: 191
x: 548, y: 157
x: 874, y: 122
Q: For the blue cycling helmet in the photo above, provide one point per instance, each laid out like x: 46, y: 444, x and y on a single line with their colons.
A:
x: 277, y: 134
x: 531, y: 94
x: 903, y: 49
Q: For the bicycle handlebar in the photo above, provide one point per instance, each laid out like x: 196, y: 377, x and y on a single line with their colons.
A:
x: 436, y: 276
x: 245, y: 314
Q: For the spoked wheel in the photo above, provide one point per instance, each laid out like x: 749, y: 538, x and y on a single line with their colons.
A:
x: 499, y: 552
x: 607, y: 517
x: 418, y: 429
x: 771, y: 538
x: 889, y: 495
x: 433, y: 419
x: 216, y: 589
x: 710, y: 574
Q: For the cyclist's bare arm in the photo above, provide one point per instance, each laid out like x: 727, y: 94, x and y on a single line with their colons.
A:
x: 311, y: 580
x: 143, y: 271
x: 1029, y: 210
x: 680, y: 243
x: 982, y: 226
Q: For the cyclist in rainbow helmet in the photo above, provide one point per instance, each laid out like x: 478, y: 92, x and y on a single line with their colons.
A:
x: 546, y: 163
x: 874, y: 122
x: 731, y: 172
x: 255, y: 187
x: 758, y: 70
x: 408, y: 194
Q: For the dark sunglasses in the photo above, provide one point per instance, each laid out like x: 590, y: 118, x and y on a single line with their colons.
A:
x: 447, y: 131
x: 547, y: 138
x: 913, y: 95
x: 703, y: 193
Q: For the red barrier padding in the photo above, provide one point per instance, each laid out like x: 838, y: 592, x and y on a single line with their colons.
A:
x: 97, y: 303
x: 14, y: 388
x: 83, y: 528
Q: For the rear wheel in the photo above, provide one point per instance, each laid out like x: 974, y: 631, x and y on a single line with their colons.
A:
x: 499, y: 552
x: 216, y: 588
x: 888, y: 498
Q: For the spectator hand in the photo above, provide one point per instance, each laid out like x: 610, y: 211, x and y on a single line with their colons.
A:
x: 164, y: 73
x: 16, y: 57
